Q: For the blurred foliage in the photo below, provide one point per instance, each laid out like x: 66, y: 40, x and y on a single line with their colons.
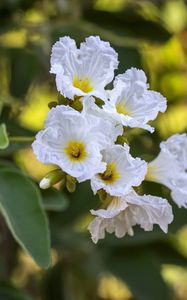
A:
x: 149, y: 266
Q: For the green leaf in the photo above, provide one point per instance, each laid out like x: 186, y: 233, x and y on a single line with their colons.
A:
x: 54, y: 200
x: 7, y: 164
x: 138, y: 268
x: 128, y: 24
x: 4, y: 141
x: 21, y: 206
x: 8, y: 292
x: 81, y: 201
x: 26, y: 67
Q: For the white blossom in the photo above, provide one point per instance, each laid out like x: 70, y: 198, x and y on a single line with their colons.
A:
x: 169, y: 168
x: 125, y: 212
x: 90, y: 107
x: 122, y: 171
x: 73, y: 141
x: 177, y: 145
x: 131, y: 103
x: 84, y: 71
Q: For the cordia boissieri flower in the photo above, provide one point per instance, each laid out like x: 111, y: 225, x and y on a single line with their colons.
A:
x: 84, y: 71
x: 177, y: 145
x: 125, y: 212
x: 122, y: 171
x: 73, y: 141
x: 82, y: 144
x: 169, y: 168
x: 131, y: 103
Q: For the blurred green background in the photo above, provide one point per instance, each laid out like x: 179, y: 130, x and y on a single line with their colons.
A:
x: 151, y: 35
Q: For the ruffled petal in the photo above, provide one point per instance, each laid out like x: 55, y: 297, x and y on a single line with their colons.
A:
x: 125, y: 212
x: 87, y: 134
x: 124, y: 171
x: 100, y: 60
x: 131, y: 104
x: 177, y: 145
x: 133, y: 76
x: 113, y: 219
x: 169, y: 168
x: 84, y: 71
x: 148, y: 210
x: 179, y: 190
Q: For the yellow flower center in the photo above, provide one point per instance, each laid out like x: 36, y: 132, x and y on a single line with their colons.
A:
x: 75, y: 151
x: 111, y: 174
x: 121, y: 109
x: 83, y: 84
x: 151, y: 172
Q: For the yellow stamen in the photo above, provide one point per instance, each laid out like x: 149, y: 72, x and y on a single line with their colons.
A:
x: 75, y: 151
x: 121, y: 109
x: 83, y: 84
x: 111, y: 174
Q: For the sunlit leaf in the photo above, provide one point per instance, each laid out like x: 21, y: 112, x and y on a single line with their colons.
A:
x: 173, y: 121
x: 4, y: 141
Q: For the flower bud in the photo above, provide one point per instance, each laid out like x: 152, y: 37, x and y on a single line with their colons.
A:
x: 104, y: 197
x: 99, y: 102
x: 70, y: 183
x: 52, y: 104
x: 52, y: 178
x: 77, y: 104
x: 62, y: 100
x: 121, y: 140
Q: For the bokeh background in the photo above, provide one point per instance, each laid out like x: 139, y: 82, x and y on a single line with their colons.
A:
x: 151, y: 35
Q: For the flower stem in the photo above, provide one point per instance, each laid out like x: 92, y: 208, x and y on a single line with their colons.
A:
x: 21, y: 139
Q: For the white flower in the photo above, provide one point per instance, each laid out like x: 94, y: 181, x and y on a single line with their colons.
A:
x: 177, y: 145
x: 125, y: 212
x: 131, y: 103
x: 169, y: 168
x: 84, y: 71
x: 179, y: 191
x: 89, y: 107
x: 122, y: 171
x: 73, y: 142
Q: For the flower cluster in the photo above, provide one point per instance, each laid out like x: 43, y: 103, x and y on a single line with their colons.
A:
x: 83, y: 135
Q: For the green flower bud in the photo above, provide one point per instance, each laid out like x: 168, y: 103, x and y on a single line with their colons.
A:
x: 52, y: 178
x: 121, y: 140
x: 76, y: 104
x: 63, y: 100
x: 52, y: 104
x: 70, y: 183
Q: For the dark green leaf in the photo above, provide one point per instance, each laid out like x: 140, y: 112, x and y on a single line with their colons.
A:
x: 8, y: 292
x: 54, y: 200
x: 81, y: 201
x: 137, y: 268
x: 24, y: 67
x: 129, y: 24
x: 21, y: 206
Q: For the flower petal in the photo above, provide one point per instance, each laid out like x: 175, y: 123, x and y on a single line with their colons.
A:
x: 125, y: 171
x: 131, y: 104
x: 74, y: 141
x: 84, y: 71
x: 177, y: 145
x: 169, y: 168
x: 125, y: 212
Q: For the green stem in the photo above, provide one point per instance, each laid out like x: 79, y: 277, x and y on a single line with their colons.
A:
x: 21, y: 139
